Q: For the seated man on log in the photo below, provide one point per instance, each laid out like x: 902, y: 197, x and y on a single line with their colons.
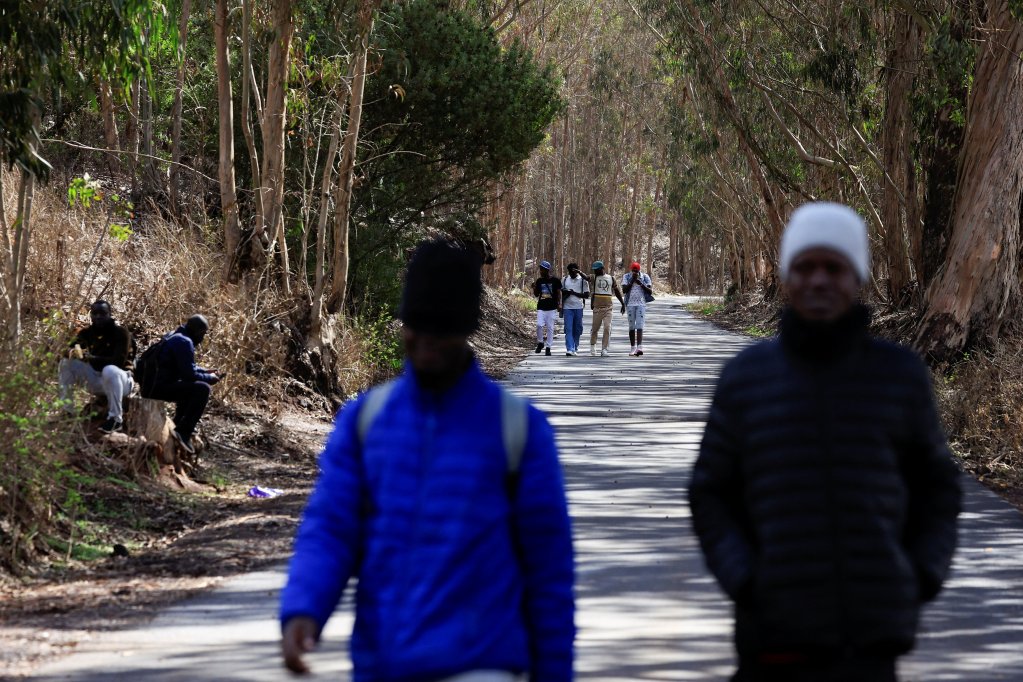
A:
x: 99, y: 358
x: 179, y: 380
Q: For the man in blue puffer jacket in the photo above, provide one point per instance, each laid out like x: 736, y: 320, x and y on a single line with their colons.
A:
x: 465, y: 570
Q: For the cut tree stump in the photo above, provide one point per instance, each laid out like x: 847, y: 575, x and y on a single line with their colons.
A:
x: 147, y: 439
x: 149, y: 419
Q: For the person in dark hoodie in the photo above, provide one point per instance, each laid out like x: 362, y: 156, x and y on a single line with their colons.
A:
x: 824, y: 495
x: 442, y: 492
x: 100, y: 358
x: 181, y: 381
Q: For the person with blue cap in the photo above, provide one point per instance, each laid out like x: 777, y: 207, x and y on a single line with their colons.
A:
x: 547, y: 290
x: 824, y: 495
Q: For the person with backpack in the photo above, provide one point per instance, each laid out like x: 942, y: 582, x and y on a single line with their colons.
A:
x: 443, y: 493
x: 604, y: 286
x: 547, y: 290
x: 168, y: 372
x: 100, y: 358
x: 638, y: 291
x: 575, y: 289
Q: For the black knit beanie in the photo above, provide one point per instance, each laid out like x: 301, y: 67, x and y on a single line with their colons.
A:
x: 442, y: 289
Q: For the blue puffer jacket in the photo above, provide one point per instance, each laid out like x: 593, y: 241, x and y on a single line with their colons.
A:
x: 423, y: 516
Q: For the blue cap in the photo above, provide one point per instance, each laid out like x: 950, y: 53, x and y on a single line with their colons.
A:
x: 597, y: 265
x: 545, y: 265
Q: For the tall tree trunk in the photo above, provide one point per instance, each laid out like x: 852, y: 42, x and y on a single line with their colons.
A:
x: 326, y: 187
x: 110, y: 134
x: 131, y: 132
x: 150, y: 175
x: 630, y: 252
x: 978, y: 286
x: 673, y: 260
x: 228, y: 193
x: 16, y: 255
x: 705, y: 46
x: 896, y: 139
x: 346, y: 172
x: 179, y: 89
x: 274, y: 120
x: 250, y: 93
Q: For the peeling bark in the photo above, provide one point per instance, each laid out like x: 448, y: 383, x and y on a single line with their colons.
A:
x: 978, y: 285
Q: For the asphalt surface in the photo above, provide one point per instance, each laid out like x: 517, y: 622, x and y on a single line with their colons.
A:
x: 628, y: 429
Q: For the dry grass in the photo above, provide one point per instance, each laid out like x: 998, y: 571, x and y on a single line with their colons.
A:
x: 157, y: 277
x: 154, y: 275
x: 982, y: 400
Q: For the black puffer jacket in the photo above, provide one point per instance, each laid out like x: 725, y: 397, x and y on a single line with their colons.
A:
x: 824, y: 495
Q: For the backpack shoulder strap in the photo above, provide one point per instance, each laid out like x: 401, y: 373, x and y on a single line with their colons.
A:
x: 514, y: 420
x: 514, y: 428
x: 374, y: 402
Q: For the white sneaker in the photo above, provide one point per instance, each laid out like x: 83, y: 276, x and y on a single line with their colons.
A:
x: 633, y: 352
x: 605, y: 353
x: 593, y: 351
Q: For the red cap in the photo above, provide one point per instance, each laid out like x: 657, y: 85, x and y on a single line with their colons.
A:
x: 634, y: 266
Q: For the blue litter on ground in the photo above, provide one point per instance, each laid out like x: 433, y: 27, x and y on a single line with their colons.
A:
x: 260, y: 492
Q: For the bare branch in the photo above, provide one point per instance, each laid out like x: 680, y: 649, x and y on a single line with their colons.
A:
x: 796, y: 143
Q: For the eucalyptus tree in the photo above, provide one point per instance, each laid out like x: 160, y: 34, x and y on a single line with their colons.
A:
x: 49, y: 47
x: 978, y: 287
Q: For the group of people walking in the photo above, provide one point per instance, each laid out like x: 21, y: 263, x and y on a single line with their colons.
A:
x: 824, y: 496
x: 567, y: 298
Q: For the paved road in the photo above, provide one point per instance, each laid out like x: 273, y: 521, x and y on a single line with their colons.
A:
x: 628, y: 430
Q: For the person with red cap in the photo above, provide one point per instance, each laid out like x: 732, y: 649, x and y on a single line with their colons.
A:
x: 637, y: 287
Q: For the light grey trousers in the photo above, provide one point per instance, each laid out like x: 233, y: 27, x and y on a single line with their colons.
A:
x: 113, y: 382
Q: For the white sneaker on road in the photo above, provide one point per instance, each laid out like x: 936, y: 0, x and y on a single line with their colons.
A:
x: 605, y: 353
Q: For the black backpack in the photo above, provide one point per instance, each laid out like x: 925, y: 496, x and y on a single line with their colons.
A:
x: 147, y: 368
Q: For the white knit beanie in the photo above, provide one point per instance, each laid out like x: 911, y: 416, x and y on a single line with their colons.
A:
x: 826, y: 225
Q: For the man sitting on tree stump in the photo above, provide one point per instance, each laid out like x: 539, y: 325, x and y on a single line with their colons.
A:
x: 99, y: 358
x: 179, y: 380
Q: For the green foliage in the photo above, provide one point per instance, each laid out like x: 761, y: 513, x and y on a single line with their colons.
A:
x: 382, y: 339
x: 706, y: 307
x: 85, y: 191
x: 52, y: 45
x: 758, y: 331
x: 528, y: 303
x: 447, y: 112
x: 34, y: 439
x: 941, y: 92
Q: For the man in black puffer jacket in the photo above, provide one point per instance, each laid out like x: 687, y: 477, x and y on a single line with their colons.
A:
x: 824, y: 495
